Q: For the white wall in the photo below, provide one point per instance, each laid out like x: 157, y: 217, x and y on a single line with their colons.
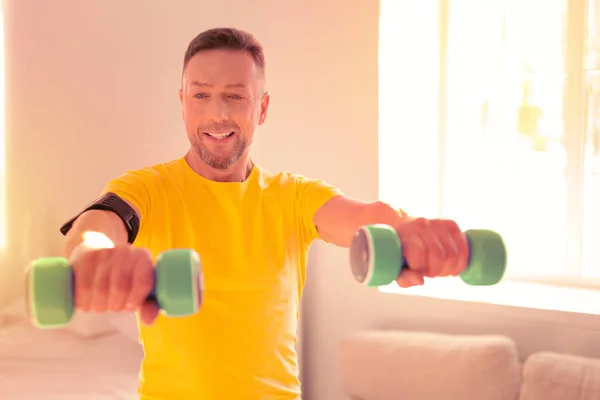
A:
x: 92, y: 91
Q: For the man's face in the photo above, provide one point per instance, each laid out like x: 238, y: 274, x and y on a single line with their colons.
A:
x: 223, y: 102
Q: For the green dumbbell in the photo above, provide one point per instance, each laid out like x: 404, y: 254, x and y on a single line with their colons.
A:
x: 178, y: 287
x: 376, y: 256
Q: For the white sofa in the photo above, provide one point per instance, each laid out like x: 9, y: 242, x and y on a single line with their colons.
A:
x: 401, y: 365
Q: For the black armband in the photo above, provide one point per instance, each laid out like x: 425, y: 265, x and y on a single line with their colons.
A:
x: 111, y: 202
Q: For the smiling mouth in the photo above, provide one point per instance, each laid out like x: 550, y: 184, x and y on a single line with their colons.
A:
x: 219, y: 136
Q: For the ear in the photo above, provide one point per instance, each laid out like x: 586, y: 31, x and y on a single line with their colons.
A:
x: 181, y: 101
x: 264, y: 106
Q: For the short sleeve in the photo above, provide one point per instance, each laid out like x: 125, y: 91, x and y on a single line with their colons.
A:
x: 133, y: 186
x: 311, y: 194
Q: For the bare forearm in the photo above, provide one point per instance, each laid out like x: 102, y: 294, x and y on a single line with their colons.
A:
x: 339, y: 219
x: 382, y: 213
x: 376, y: 213
x: 105, y: 222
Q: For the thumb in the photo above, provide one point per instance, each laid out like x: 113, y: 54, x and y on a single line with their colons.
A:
x: 409, y: 277
x: 149, y: 312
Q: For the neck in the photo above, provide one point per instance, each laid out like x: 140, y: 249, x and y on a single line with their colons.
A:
x: 238, y: 172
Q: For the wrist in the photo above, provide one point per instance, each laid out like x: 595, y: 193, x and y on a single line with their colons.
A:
x: 90, y: 240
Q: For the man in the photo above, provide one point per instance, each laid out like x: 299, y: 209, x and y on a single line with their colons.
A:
x: 251, y: 228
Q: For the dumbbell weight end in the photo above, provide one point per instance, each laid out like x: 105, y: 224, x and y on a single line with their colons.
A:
x: 178, y: 287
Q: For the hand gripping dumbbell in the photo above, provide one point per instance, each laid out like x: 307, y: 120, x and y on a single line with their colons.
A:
x: 376, y: 256
x: 178, y: 287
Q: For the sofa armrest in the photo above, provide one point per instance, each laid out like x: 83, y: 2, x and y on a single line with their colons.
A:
x: 554, y: 376
x: 390, y: 365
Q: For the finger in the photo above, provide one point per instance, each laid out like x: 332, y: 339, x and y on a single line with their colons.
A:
x: 445, y: 235
x: 409, y: 277
x: 83, y: 269
x: 149, y: 312
x: 415, y: 252
x: 101, y: 285
x: 120, y: 285
x: 142, y: 282
x: 436, y: 254
x: 449, y: 263
x: 455, y: 246
x: 463, y: 251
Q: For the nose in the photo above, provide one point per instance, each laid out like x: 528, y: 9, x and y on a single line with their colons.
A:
x: 217, y: 109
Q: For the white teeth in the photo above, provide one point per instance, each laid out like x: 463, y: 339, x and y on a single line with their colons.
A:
x: 220, y: 135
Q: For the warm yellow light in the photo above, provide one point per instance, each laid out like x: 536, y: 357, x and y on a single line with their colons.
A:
x: 3, y: 213
x: 97, y: 240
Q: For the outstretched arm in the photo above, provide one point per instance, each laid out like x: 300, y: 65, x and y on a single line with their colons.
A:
x: 432, y: 247
x: 339, y: 218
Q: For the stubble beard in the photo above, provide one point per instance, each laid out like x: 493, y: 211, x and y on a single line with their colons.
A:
x: 221, y: 161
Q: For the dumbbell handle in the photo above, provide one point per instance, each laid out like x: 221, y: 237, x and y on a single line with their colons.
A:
x: 55, y: 269
x: 70, y: 285
x: 376, y: 256
x: 100, y: 241
x: 177, y: 287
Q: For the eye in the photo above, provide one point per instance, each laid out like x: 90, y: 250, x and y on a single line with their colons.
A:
x: 235, y: 96
x: 200, y: 95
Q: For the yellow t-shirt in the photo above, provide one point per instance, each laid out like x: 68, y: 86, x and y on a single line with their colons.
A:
x: 252, y: 238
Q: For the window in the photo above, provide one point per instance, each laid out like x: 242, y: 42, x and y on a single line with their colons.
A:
x: 3, y: 213
x: 490, y: 115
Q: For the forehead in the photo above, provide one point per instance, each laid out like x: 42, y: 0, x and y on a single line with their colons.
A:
x: 222, y: 67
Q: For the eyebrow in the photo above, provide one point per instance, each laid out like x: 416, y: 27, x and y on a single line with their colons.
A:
x: 208, y: 85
